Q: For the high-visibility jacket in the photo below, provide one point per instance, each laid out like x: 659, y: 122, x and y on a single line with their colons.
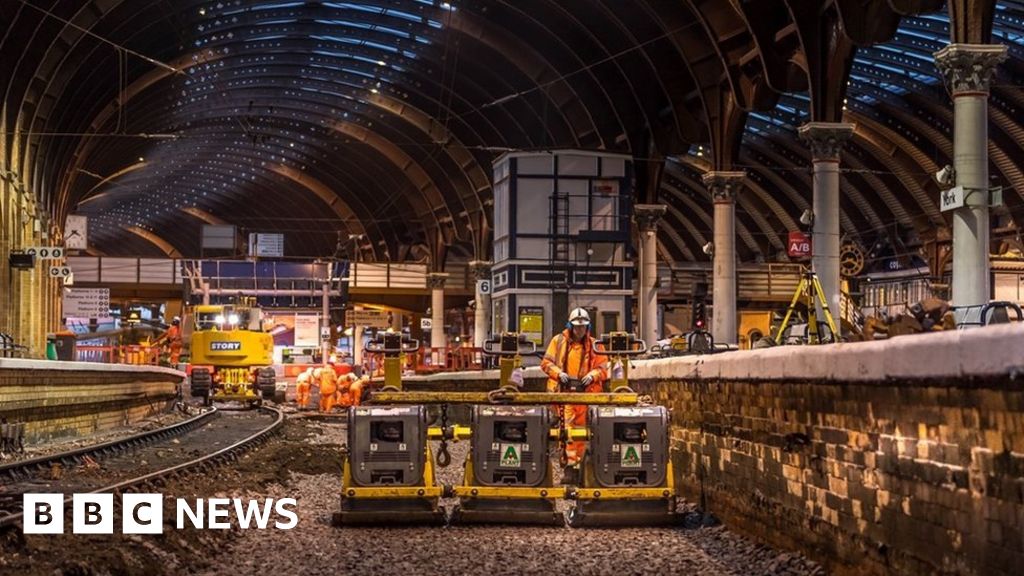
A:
x: 578, y: 359
x: 328, y: 382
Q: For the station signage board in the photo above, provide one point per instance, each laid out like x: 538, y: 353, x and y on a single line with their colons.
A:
x: 951, y: 199
x: 86, y: 302
x: 266, y: 245
x: 799, y: 245
x: 46, y: 252
x: 371, y: 318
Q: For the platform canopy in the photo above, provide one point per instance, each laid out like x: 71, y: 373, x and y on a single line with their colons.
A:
x: 367, y: 129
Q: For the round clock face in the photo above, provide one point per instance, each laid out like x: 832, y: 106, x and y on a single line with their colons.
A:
x: 851, y: 259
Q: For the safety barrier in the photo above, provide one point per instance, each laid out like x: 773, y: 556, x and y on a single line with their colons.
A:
x: 449, y: 359
x: 428, y: 360
x: 135, y: 354
x: 9, y: 349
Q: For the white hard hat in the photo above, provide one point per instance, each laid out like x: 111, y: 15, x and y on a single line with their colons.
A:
x: 579, y: 317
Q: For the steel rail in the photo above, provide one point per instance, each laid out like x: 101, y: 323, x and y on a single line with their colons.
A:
x: 206, y: 462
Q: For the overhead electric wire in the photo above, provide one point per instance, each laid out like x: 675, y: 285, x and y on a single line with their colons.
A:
x: 92, y: 34
x: 563, y: 77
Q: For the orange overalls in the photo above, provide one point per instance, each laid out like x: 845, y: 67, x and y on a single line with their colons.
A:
x: 578, y: 360
x: 302, y: 385
x: 350, y: 390
x: 328, y: 387
x: 174, y: 336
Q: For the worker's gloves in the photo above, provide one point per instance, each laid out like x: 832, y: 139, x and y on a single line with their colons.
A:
x: 586, y: 380
x: 563, y: 378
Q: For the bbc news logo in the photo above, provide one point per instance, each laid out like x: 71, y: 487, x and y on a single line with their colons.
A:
x: 144, y: 513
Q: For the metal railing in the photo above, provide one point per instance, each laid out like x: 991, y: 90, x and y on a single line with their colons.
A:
x: 9, y: 348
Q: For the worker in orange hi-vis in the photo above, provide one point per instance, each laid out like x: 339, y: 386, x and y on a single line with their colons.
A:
x: 572, y: 365
x: 303, y: 383
x: 350, y: 386
x: 328, y: 388
x: 173, y: 339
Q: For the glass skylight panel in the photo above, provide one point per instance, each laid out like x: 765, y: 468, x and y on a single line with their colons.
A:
x: 276, y: 6
x: 349, y: 23
x: 379, y: 46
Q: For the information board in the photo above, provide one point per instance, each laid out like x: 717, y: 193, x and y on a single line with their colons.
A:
x: 86, y: 302
x: 307, y: 329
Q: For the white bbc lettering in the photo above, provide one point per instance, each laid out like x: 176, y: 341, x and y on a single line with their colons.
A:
x: 218, y: 508
x: 245, y: 515
x: 280, y: 508
x: 196, y: 516
x: 92, y: 513
x: 142, y: 513
x: 44, y: 513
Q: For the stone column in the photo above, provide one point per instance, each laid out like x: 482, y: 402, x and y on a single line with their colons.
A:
x: 826, y: 140
x: 357, y: 345
x: 435, y: 280
x: 968, y: 69
x: 481, y: 270
x: 725, y: 188
x: 646, y: 217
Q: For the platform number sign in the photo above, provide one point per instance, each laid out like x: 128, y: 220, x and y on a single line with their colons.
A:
x: 46, y: 252
x: 799, y: 245
x: 483, y: 286
x: 60, y: 271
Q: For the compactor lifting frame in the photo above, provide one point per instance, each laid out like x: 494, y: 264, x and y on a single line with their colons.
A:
x: 393, y: 481
x: 639, y: 489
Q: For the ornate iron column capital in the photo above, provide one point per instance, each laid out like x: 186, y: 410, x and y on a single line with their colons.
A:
x: 724, y: 186
x: 647, y: 215
x: 480, y: 269
x: 968, y: 68
x: 826, y: 139
x: 436, y: 279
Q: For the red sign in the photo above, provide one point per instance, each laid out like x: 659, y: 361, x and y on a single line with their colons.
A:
x: 799, y: 245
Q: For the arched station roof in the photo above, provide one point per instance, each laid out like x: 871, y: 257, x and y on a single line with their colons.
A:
x: 370, y: 126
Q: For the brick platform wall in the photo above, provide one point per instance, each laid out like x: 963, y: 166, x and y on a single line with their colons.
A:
x: 902, y: 457
x: 67, y: 399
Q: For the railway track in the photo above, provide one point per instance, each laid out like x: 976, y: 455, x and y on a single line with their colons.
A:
x: 47, y: 473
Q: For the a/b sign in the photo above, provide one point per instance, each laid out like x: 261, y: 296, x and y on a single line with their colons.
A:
x: 799, y: 245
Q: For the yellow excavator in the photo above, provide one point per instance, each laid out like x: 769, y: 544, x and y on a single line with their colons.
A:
x: 230, y: 355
